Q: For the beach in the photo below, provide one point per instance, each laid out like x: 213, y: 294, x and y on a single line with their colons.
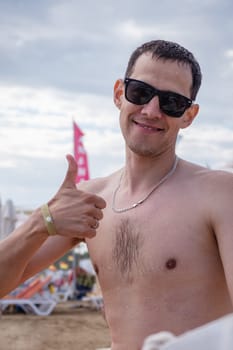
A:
x: 70, y: 327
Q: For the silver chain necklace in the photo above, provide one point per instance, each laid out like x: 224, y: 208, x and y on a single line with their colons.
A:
x: 121, y: 210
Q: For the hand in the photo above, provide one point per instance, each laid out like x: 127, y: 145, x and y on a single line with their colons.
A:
x: 75, y: 213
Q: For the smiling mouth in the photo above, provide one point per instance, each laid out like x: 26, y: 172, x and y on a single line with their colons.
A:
x: 148, y: 127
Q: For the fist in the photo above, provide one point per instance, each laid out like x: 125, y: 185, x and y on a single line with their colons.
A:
x: 75, y: 213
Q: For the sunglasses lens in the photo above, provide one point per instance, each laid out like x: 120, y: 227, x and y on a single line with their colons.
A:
x: 173, y: 104
x: 137, y: 93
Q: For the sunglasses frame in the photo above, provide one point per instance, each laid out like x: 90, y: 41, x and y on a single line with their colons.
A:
x: 160, y: 94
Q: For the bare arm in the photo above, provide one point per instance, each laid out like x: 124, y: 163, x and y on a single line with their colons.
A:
x: 18, y: 248
x: 29, y: 249
x: 222, y: 216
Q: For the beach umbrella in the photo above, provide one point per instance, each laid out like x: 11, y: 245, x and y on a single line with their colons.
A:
x: 8, y: 218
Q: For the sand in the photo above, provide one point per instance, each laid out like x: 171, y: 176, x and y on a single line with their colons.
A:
x: 69, y: 327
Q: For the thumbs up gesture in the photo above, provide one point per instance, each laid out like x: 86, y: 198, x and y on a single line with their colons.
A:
x: 75, y: 213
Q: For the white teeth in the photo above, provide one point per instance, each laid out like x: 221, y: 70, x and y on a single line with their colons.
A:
x: 148, y: 127
x: 151, y: 128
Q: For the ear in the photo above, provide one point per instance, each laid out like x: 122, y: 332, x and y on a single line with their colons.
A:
x: 189, y: 116
x: 118, y: 92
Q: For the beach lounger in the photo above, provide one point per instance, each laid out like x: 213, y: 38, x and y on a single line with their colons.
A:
x: 31, y: 298
x: 95, y: 301
x: 38, y: 306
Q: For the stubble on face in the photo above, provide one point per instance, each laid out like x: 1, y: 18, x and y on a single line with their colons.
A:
x: 148, y: 145
x: 165, y: 75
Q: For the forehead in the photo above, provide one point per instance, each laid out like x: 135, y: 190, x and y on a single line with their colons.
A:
x: 163, y: 74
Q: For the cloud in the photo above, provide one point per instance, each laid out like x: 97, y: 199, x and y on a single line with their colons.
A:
x: 229, y: 53
x: 36, y: 133
x: 208, y: 145
x: 39, y: 121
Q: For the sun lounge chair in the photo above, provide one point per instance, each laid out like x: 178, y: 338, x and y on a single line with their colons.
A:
x: 32, y: 299
x: 95, y: 301
x: 36, y: 306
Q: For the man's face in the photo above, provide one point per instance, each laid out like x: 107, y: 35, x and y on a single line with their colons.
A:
x: 147, y: 130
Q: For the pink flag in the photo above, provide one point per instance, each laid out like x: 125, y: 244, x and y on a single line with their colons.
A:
x: 80, y: 155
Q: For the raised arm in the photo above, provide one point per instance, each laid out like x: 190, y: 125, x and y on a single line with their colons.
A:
x: 30, y: 248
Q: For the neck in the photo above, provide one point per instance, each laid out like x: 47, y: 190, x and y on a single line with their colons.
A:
x: 146, y: 195
x: 140, y: 173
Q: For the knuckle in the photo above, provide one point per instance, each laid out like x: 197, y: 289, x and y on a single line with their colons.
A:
x: 101, y: 215
x: 103, y: 204
x: 98, y: 214
x: 91, y: 233
x: 100, y: 203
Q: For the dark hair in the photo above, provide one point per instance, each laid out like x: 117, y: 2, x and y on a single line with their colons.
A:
x: 168, y: 50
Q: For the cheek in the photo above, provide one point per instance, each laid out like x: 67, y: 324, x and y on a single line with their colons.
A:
x: 124, y: 114
x: 174, y: 124
x: 128, y: 110
x: 122, y: 121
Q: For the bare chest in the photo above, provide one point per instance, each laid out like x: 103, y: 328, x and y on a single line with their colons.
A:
x: 151, y: 242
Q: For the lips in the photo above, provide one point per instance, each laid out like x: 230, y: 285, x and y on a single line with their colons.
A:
x: 148, y: 126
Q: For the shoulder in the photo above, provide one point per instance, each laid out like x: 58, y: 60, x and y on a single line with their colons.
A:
x: 206, y: 178
x: 207, y: 188
x: 211, y: 190
x: 210, y: 194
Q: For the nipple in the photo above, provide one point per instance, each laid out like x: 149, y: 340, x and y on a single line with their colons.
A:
x: 171, y: 264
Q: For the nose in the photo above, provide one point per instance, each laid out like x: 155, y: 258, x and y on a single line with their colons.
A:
x: 152, y: 108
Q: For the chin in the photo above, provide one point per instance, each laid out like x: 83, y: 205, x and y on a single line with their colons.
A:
x: 142, y: 151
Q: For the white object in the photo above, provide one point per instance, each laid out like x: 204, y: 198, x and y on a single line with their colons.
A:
x: 216, y: 335
x: 155, y: 341
x: 8, y: 218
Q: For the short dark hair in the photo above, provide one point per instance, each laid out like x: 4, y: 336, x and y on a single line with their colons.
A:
x: 168, y: 50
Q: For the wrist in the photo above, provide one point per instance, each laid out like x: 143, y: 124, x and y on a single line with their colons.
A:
x: 48, y: 220
x: 34, y: 226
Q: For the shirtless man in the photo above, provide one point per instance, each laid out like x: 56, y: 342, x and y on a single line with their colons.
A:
x: 164, y: 249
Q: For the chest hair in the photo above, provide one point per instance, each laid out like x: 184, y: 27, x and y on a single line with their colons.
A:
x: 127, y: 247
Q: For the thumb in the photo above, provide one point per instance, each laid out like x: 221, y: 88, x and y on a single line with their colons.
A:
x: 69, y: 180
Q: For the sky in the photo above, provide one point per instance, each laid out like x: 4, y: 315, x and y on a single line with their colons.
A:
x: 59, y: 60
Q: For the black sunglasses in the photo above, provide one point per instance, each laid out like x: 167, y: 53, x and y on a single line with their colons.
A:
x: 170, y: 103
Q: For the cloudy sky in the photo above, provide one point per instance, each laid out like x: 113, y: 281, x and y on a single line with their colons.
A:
x: 59, y: 60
